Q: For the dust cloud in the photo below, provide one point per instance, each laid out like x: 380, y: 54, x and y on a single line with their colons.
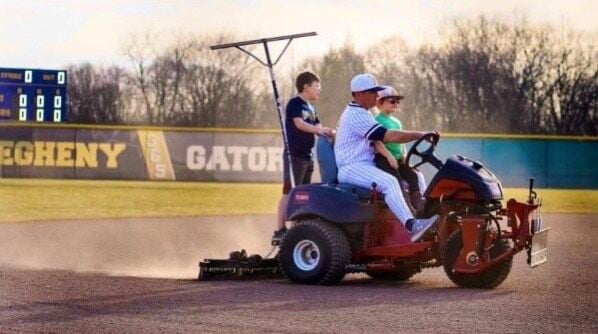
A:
x: 161, y: 248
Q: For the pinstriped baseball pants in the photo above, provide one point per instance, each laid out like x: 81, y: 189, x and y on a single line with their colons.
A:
x: 364, y: 173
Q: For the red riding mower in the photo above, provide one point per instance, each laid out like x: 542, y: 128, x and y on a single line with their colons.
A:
x: 342, y: 228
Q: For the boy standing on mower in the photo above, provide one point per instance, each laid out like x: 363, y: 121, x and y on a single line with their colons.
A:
x: 354, y: 151
x: 392, y: 160
x: 301, y: 124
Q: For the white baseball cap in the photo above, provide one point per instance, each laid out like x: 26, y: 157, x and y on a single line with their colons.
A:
x: 388, y: 91
x: 365, y: 82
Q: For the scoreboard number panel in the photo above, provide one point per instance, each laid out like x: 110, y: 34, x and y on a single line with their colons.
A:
x: 33, y: 95
x: 57, y: 115
x: 39, y: 116
x: 28, y: 76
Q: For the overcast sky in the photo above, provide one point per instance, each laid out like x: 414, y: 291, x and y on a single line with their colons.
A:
x: 54, y: 33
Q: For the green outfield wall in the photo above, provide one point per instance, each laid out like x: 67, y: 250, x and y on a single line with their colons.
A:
x: 197, y: 154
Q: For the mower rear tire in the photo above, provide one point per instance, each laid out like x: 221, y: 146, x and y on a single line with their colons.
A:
x: 488, y: 279
x: 315, y: 252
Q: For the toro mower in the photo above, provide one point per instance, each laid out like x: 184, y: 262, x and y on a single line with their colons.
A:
x: 342, y: 228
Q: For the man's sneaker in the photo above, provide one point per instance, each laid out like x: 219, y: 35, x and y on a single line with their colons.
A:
x: 278, y: 236
x: 421, y: 226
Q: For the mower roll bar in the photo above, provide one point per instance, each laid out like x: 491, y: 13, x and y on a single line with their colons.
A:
x: 268, y: 63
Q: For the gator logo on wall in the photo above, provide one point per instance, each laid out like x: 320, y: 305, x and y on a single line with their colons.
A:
x: 59, y: 154
x: 235, y: 158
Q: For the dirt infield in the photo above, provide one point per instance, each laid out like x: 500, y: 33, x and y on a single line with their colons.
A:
x: 60, y: 277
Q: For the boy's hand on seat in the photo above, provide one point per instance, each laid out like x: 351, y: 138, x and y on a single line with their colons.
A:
x: 324, y: 131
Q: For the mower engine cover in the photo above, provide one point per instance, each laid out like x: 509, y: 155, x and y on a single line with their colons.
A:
x: 459, y: 174
x: 331, y: 202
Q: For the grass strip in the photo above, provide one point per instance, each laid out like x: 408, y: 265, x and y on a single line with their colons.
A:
x: 43, y: 199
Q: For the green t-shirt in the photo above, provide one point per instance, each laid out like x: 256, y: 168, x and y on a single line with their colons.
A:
x: 392, y: 123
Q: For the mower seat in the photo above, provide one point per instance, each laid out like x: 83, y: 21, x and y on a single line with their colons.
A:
x: 329, y: 170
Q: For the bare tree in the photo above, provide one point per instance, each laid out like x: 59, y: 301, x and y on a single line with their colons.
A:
x: 489, y: 76
x: 140, y: 50
x: 486, y: 76
x: 158, y: 76
x: 219, y: 85
x: 573, y: 89
x: 336, y: 69
x: 188, y: 84
x: 97, y: 95
x: 390, y: 61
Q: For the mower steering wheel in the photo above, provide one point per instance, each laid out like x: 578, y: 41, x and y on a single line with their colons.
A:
x: 426, y: 156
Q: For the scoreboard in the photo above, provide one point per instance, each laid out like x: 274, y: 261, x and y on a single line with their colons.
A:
x: 33, y: 95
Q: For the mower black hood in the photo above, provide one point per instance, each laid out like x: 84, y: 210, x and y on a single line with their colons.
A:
x: 458, y: 168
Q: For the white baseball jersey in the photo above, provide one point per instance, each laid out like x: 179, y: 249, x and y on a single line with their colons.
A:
x: 356, y: 130
x: 354, y: 153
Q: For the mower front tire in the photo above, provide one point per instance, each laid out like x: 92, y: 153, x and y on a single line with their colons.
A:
x: 315, y: 252
x: 488, y: 279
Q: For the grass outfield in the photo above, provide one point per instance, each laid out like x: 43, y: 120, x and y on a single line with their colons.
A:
x: 33, y: 199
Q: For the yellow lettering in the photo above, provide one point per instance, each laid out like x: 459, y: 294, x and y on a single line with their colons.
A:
x: 87, y: 155
x: 5, y: 152
x: 44, y: 153
x: 64, y: 157
x: 23, y: 153
x: 112, y: 153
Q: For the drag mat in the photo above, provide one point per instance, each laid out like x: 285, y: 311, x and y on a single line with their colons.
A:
x: 558, y: 297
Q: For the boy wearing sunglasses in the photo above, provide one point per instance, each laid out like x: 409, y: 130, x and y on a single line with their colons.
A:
x: 390, y: 157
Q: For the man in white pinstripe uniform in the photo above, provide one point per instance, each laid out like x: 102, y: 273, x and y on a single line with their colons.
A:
x: 354, y: 152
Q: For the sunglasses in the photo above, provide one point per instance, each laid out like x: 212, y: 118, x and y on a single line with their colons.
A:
x: 393, y: 101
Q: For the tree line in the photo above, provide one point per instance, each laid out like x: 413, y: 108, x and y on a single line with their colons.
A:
x: 485, y: 75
